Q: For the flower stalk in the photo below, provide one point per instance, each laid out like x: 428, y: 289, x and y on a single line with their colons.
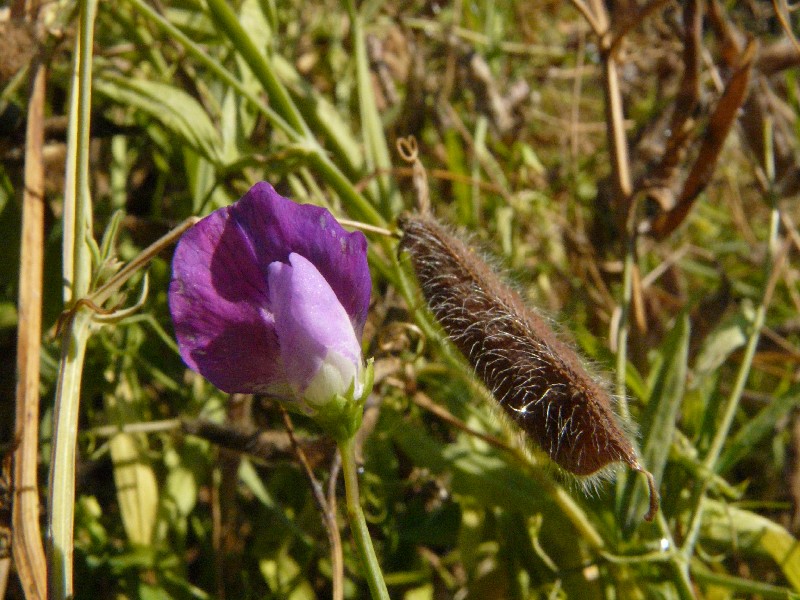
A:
x: 358, y: 523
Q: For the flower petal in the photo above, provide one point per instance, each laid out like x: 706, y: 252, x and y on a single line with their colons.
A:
x: 217, y: 297
x: 277, y: 226
x: 314, y: 331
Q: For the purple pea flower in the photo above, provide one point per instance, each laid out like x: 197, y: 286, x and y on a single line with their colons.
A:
x: 270, y: 297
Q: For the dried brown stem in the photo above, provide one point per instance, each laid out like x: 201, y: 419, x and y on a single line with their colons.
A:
x: 217, y: 533
x: 781, y: 11
x: 730, y: 38
x: 423, y: 401
x: 333, y: 478
x: 597, y: 27
x: 618, y: 143
x: 27, y: 546
x: 5, y: 568
x: 630, y: 24
x: 577, y: 87
x: 328, y: 515
x: 719, y: 125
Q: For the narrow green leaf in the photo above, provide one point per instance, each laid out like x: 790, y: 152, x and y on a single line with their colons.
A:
x: 249, y: 477
x: 229, y: 24
x: 377, y: 151
x: 719, y: 345
x: 660, y: 415
x: 179, y: 112
x: 457, y: 164
x: 757, y: 428
x: 738, y: 584
x: 752, y: 533
x: 324, y: 119
x: 665, y: 398
x: 109, y: 242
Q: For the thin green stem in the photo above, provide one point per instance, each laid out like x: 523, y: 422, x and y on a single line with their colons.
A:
x: 678, y: 562
x: 227, y: 20
x: 198, y: 54
x: 82, y: 265
x: 742, y: 587
x: 70, y: 176
x: 360, y: 206
x: 287, y: 118
x: 732, y: 402
x: 78, y: 272
x: 377, y: 151
x: 568, y: 506
x: 61, y: 499
x: 358, y: 523
x: 681, y: 579
x: 622, y: 329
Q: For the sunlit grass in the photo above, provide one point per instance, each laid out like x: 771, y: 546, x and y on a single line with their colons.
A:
x: 193, y: 102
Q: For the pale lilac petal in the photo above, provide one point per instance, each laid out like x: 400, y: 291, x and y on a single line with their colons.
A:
x: 277, y: 226
x: 314, y: 330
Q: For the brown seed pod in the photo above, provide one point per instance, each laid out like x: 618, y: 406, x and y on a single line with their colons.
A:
x: 537, y: 378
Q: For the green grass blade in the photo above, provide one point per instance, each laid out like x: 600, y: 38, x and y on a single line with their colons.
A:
x: 181, y: 114
x: 229, y: 24
x: 377, y: 151
x: 757, y: 429
x: 753, y: 535
x: 661, y: 413
x: 199, y: 55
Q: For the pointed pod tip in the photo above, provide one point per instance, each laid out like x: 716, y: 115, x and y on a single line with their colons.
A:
x: 655, y: 501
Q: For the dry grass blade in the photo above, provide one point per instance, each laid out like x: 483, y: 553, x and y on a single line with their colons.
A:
x: 634, y: 21
x: 782, y: 12
x: 27, y: 545
x: 326, y: 510
x: 778, y: 57
x: 597, y: 23
x: 662, y: 180
x: 730, y: 38
x: 719, y: 125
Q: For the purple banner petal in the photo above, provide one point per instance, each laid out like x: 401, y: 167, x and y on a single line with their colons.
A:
x: 220, y: 293
x: 279, y: 226
x: 218, y: 299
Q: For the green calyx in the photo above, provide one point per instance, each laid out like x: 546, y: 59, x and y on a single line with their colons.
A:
x: 341, y: 417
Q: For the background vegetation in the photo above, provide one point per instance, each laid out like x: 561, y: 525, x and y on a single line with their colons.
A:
x: 633, y: 169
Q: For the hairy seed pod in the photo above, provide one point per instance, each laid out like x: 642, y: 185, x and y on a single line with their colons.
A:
x: 537, y: 378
